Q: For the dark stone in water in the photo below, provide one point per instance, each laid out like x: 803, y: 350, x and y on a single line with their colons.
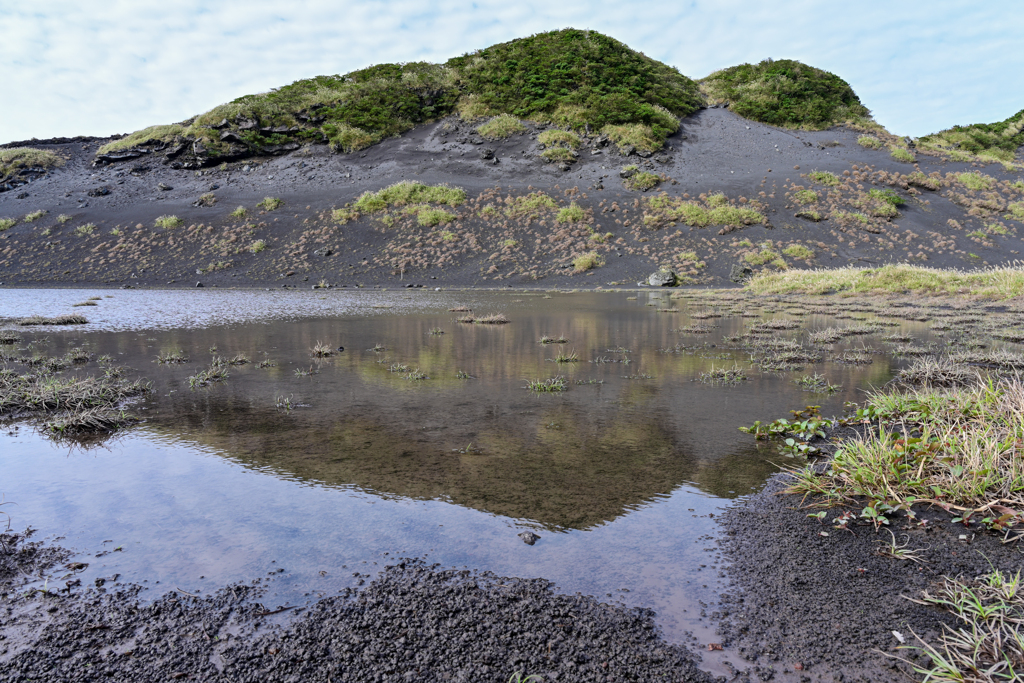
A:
x: 529, y: 538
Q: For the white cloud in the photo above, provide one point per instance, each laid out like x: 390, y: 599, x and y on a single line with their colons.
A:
x: 90, y: 67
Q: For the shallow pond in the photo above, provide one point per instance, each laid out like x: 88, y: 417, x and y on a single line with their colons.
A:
x: 319, y: 471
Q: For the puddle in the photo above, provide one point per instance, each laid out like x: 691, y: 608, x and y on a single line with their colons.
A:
x: 621, y: 475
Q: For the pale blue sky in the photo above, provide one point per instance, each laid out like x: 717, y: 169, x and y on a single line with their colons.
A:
x: 88, y: 67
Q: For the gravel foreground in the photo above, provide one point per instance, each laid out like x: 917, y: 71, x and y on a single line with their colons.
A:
x: 413, y: 623
x: 812, y: 607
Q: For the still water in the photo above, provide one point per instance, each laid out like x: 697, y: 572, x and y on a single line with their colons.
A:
x: 319, y: 471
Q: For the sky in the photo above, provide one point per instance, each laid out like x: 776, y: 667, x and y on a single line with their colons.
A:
x: 91, y: 67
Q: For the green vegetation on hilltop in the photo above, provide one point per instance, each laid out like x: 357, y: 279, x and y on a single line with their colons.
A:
x: 989, y: 141
x: 569, y: 77
x: 785, y: 93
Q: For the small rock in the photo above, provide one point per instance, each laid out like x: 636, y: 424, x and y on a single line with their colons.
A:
x: 529, y: 538
x: 486, y: 154
x: 98, y: 192
x: 164, y: 187
x: 199, y: 284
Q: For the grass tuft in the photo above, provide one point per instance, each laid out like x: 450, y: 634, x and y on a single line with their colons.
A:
x: 16, y: 158
x: 501, y: 127
x: 168, y: 222
x: 587, y: 261
x: 270, y: 203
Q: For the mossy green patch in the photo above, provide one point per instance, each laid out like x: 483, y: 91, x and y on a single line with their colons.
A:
x: 1000, y: 140
x: 16, y: 158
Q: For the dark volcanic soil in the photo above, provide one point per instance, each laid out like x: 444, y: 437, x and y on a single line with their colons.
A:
x: 413, y: 623
x: 716, y: 151
x: 814, y: 607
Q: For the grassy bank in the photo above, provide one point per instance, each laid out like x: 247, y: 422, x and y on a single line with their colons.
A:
x: 994, y: 283
x: 958, y: 448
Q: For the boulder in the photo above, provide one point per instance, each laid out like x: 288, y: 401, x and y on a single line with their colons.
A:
x: 740, y: 273
x: 663, y: 277
x: 486, y: 154
x: 98, y: 192
x: 627, y: 173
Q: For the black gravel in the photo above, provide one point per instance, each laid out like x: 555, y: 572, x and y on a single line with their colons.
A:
x: 413, y: 623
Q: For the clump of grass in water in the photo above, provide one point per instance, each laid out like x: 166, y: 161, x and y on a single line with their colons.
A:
x: 817, y: 383
x: 204, y: 378
x: 171, y: 357
x: 564, y: 357
x: 73, y: 405
x: 550, y: 385
x: 68, y: 319
x: 321, y: 350
x: 733, y: 375
x: 553, y: 340
x: 435, y: 331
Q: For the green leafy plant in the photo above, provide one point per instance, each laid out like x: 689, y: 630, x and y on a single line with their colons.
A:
x: 270, y: 203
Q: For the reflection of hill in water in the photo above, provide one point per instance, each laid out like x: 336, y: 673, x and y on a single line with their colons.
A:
x: 557, y: 465
x: 638, y: 428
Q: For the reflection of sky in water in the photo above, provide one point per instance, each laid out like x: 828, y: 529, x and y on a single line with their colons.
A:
x: 181, y: 513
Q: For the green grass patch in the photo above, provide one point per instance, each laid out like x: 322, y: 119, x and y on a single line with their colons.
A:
x: 1016, y: 211
x: 570, y: 214
x: 824, y: 178
x: 168, y: 222
x: 85, y: 230
x: 35, y: 215
x: 587, y: 261
x: 798, y: 251
x: 765, y: 254
x: 430, y: 216
x: 992, y: 283
x: 240, y: 212
x: 638, y: 136
x: 960, y: 456
x: 529, y: 205
x: 408, y: 192
x: 870, y: 141
x: 976, y: 181
x: 7, y: 223
x: 64, y: 218
x: 270, y: 203
x: 559, y: 154
x: 805, y: 196
x: 902, y: 154
x: 643, y: 181
x: 500, y: 127
x: 343, y: 215
x: 919, y: 179
x: 562, y: 138
x: 345, y: 138
x: 161, y: 133
x: 713, y: 210
x: 16, y: 158
x: 785, y: 93
x: 257, y: 246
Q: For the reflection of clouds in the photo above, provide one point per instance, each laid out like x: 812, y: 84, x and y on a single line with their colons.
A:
x: 122, y: 65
